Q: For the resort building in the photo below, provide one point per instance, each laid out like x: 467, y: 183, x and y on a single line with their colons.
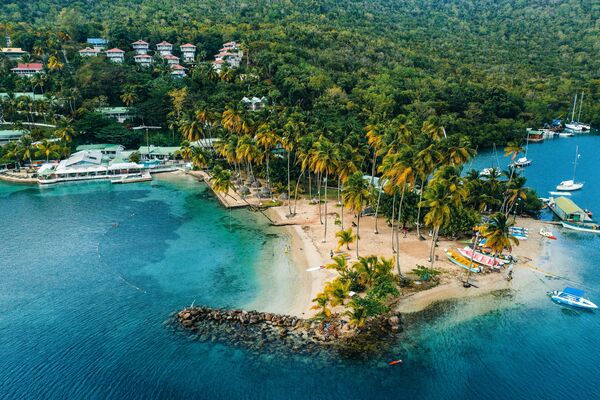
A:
x: 141, y: 47
x: 567, y: 210
x: 143, y: 60
x: 230, y: 54
x: 7, y: 136
x: 254, y: 103
x: 109, y: 151
x: 188, y: 52
x: 121, y: 114
x: 86, y: 165
x: 115, y: 55
x: 16, y: 95
x: 164, y: 48
x: 12, y: 53
x: 171, y: 59
x: 148, y: 153
x: 89, y: 52
x: 178, y: 70
x: 98, y: 44
x: 28, y: 69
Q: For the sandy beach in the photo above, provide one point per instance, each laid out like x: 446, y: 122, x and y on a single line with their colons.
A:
x: 310, y: 251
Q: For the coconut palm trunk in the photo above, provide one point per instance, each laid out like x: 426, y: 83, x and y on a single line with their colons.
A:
x: 377, y: 210
x: 397, y: 230
x: 296, y: 190
x: 319, y: 196
x: 289, y: 199
x: 419, y: 209
x: 436, y: 231
x: 325, y: 184
x: 357, y: 234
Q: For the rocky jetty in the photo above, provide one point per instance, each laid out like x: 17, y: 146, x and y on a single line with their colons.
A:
x: 275, y: 333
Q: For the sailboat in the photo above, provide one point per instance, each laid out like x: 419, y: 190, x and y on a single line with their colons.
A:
x: 487, y: 172
x: 523, y: 161
x: 577, y: 126
x: 571, y: 184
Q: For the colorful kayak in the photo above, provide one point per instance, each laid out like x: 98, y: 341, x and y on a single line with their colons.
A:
x: 546, y: 233
x: 395, y: 362
x: 480, y: 258
x: 461, y: 261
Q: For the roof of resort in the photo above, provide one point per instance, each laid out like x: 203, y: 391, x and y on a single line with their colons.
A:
x: 12, y: 133
x: 115, y: 50
x: 88, y: 50
x: 142, y: 56
x: 97, y: 41
x: 139, y: 42
x: 12, y: 50
x: 170, y: 57
x: 163, y: 43
x: 158, y: 150
x: 16, y: 95
x: 31, y: 66
x: 187, y: 45
x: 103, y: 146
x: 113, y: 110
x: 568, y: 206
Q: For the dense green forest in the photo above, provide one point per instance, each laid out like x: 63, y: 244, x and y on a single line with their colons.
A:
x: 485, y: 69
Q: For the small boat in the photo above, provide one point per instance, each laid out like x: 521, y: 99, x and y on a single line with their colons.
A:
x: 566, y: 134
x: 571, y: 184
x: 522, y: 162
x: 480, y: 258
x: 461, y: 261
x: 577, y: 126
x: 560, y: 193
x: 590, y: 227
x: 572, y: 297
x: 395, y: 362
x: 487, y: 171
x: 546, y: 233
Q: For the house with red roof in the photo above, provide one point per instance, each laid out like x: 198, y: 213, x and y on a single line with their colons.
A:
x: 115, y: 55
x: 28, y: 69
x: 171, y: 59
x: 178, y: 70
x: 143, y: 60
x: 164, y: 48
x: 89, y: 52
x: 140, y: 47
x: 188, y: 51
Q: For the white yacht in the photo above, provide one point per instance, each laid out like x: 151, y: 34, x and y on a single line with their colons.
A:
x: 571, y: 184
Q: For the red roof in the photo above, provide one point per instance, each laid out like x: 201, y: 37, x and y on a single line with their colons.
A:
x: 187, y: 45
x: 140, y: 42
x: 115, y: 50
x: 142, y: 56
x: 163, y: 43
x: 31, y: 66
x: 229, y: 44
x: 88, y: 50
x: 219, y: 61
x: 170, y: 57
x: 177, y: 66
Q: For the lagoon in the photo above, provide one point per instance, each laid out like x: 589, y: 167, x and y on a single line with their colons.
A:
x: 89, y: 273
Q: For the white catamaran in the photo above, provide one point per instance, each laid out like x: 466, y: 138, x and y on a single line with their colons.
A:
x: 577, y: 126
x: 571, y: 185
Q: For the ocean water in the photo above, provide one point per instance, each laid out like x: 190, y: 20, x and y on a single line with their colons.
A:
x: 89, y: 274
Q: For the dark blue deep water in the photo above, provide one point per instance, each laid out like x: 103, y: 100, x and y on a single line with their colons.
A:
x: 90, y: 273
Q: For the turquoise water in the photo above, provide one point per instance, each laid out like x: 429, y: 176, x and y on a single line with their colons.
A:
x: 89, y: 273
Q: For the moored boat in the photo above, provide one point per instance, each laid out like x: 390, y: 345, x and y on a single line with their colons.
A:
x: 480, y: 258
x: 571, y: 184
x: 546, y: 233
x: 589, y: 227
x: 572, y: 297
x: 133, y: 178
x: 461, y: 261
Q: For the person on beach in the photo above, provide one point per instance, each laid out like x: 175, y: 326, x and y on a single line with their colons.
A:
x: 330, y: 253
x: 510, y: 273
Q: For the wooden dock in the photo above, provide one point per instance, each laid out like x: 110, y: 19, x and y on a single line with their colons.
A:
x: 232, y: 200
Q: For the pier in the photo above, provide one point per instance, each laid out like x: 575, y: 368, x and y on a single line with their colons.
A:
x: 232, y: 200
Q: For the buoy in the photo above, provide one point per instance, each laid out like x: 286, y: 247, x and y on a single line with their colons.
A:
x: 395, y: 362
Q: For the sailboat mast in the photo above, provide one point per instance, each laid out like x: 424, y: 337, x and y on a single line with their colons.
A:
x: 580, y: 106
x: 574, y: 105
x: 575, y: 163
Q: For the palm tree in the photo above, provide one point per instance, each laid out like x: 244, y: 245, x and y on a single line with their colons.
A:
x: 345, y: 237
x: 64, y: 130
x: 322, y: 301
x: 47, y: 149
x: 129, y: 96
x: 497, y: 233
x: 185, y: 151
x: 221, y: 183
x: 26, y: 148
x: 54, y: 64
x: 267, y: 139
x: 347, y: 163
x: 323, y: 160
x: 189, y: 127
x: 337, y: 291
x: 439, y: 198
x: 199, y: 157
x: 357, y: 313
x: 366, y: 268
x: 355, y: 196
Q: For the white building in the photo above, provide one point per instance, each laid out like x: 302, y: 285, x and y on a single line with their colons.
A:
x: 178, y: 70
x: 230, y: 54
x: 121, y: 114
x: 141, y: 47
x: 89, y: 52
x: 115, y: 55
x: 188, y: 52
x: 171, y: 59
x: 143, y: 59
x: 109, y: 151
x: 98, y: 44
x: 254, y: 103
x: 12, y: 53
x: 28, y: 69
x: 164, y: 48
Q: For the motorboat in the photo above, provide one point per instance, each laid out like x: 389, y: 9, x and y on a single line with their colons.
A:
x: 479, y: 258
x: 566, y: 134
x: 461, y: 261
x: 572, y: 297
x: 589, y: 228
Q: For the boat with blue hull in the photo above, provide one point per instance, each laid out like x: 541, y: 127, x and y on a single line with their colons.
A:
x: 572, y: 297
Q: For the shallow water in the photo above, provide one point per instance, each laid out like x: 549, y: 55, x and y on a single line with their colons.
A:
x: 89, y: 273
